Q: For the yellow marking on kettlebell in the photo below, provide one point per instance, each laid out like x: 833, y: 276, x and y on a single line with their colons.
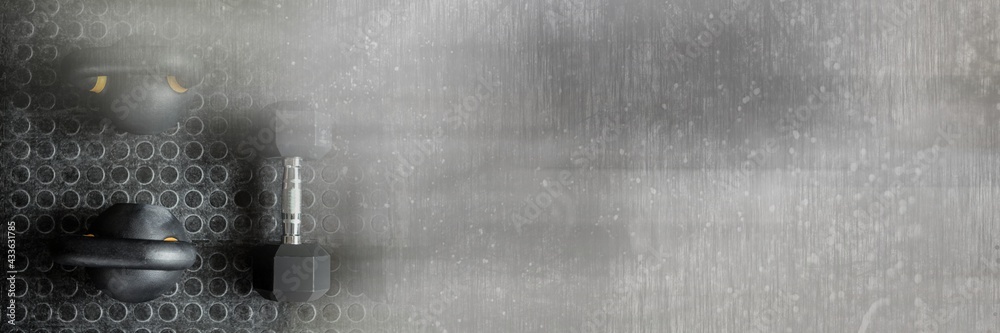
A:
x: 102, y: 81
x: 172, y: 81
x: 88, y: 235
x: 170, y: 239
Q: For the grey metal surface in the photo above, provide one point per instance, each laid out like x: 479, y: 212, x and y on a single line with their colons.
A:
x: 537, y: 166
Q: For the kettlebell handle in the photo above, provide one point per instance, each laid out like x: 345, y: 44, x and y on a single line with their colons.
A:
x: 125, y: 253
x: 117, y: 60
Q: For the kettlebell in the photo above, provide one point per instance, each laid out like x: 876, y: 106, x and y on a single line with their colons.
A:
x: 141, y: 86
x: 133, y: 252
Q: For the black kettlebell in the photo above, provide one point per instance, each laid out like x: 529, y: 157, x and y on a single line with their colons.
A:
x: 139, y: 85
x: 134, y: 252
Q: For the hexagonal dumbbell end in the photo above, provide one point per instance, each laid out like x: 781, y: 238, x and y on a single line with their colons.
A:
x: 291, y: 272
x: 301, y: 129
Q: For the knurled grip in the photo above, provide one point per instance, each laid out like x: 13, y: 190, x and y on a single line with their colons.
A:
x: 291, y: 201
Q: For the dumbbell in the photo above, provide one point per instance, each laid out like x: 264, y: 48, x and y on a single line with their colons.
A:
x: 294, y: 271
x: 139, y: 85
x: 134, y: 252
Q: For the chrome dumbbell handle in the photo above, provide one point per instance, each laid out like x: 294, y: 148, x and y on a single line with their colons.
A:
x: 291, y: 201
